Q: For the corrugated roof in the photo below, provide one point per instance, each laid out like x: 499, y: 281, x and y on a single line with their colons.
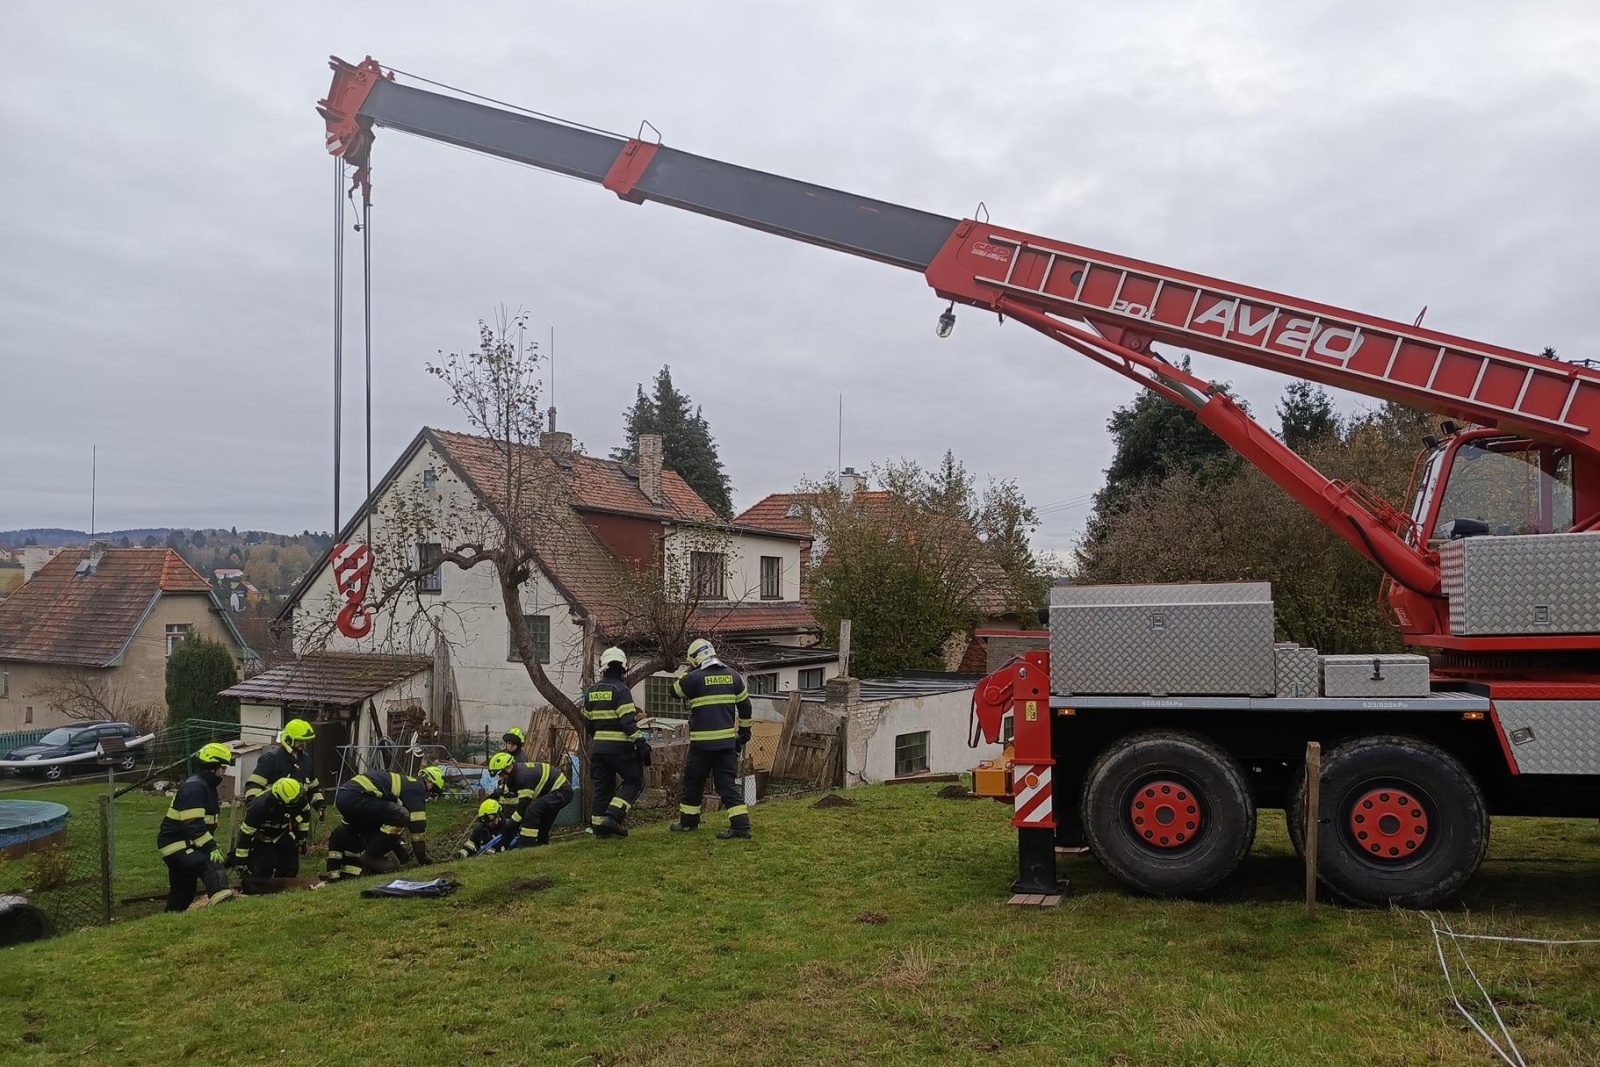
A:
x: 329, y: 678
x: 87, y: 620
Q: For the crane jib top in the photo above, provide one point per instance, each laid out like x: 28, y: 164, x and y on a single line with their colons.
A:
x: 889, y: 233
x: 992, y: 267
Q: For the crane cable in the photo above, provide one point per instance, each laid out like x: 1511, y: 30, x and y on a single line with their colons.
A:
x: 364, y: 227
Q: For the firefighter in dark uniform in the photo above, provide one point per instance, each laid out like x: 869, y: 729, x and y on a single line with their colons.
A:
x: 377, y: 809
x: 489, y: 832
x: 513, y: 741
x: 187, y: 837
x: 269, y: 843
x: 719, y: 728
x: 291, y: 758
x: 617, y: 750
x: 534, y: 793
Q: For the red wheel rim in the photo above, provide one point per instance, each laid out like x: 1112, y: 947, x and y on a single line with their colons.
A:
x: 1165, y: 814
x: 1389, y: 823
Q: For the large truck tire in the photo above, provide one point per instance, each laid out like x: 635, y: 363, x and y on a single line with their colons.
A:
x: 1400, y: 823
x: 1168, y: 813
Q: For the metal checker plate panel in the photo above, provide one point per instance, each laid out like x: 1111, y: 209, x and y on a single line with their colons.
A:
x: 1552, y: 736
x: 1351, y: 676
x: 1297, y: 672
x: 1535, y: 584
x: 1213, y: 648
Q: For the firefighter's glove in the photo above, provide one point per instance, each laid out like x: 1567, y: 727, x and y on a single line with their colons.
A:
x: 641, y: 749
x: 217, y: 857
x: 744, y: 736
x: 234, y: 858
x: 421, y: 848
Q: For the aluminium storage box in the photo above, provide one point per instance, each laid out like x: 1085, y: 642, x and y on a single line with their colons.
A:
x: 1385, y: 675
x: 1528, y: 584
x: 1162, y: 640
x: 1298, y: 670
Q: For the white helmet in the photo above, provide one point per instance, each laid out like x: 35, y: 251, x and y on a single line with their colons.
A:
x: 701, y: 652
x: 613, y: 655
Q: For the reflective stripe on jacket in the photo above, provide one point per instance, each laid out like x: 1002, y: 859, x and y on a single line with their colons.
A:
x: 610, y: 716
x: 191, y: 819
x: 718, y: 703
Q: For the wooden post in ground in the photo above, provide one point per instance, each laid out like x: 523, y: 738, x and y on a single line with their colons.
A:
x: 844, y: 647
x: 1313, y: 806
x: 791, y: 717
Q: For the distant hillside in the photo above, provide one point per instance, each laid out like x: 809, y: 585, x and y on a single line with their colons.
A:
x: 272, y: 562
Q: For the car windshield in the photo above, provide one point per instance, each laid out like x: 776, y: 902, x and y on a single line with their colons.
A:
x: 58, y: 737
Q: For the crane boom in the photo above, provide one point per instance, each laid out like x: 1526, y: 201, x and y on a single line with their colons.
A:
x: 1127, y: 304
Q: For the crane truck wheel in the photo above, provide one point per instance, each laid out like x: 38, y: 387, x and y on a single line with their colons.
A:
x: 1401, y: 823
x: 1168, y: 813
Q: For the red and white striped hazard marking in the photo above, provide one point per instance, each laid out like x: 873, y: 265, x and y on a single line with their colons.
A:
x: 1030, y: 788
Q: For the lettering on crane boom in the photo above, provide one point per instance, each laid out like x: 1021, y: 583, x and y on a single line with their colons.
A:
x: 1293, y: 334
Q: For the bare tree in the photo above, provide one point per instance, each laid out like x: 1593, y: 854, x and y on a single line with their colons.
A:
x: 96, y: 696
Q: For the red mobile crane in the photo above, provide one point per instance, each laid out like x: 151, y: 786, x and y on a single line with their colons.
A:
x: 1510, y: 721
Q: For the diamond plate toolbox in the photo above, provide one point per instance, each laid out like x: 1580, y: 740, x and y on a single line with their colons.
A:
x: 1386, y: 675
x: 1297, y: 670
x: 1161, y: 640
x: 1552, y: 736
x: 1532, y: 584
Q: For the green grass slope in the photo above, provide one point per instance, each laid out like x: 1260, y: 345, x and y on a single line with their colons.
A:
x: 672, y: 949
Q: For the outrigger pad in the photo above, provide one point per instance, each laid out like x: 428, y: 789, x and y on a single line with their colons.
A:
x: 400, y: 887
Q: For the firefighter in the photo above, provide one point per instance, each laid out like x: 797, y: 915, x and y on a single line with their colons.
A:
x: 291, y: 758
x: 488, y: 831
x: 617, y: 750
x: 719, y: 728
x: 536, y: 794
x: 377, y: 808
x: 269, y: 836
x: 187, y: 837
x: 513, y: 741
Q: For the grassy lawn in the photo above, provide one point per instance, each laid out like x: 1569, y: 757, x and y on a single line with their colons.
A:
x: 666, y: 950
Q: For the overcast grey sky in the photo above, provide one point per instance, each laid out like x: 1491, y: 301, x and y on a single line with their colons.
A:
x: 165, y: 216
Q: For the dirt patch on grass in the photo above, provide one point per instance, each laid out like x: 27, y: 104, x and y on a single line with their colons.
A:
x: 872, y: 918
x: 956, y: 792
x: 532, y: 885
x: 834, y: 800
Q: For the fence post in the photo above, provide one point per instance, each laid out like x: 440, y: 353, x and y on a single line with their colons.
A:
x: 1313, y: 805
x: 105, y: 859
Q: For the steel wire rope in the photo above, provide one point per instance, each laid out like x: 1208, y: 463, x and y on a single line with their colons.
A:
x: 338, y: 329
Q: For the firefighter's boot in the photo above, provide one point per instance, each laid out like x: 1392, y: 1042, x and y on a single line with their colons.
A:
x: 738, y: 827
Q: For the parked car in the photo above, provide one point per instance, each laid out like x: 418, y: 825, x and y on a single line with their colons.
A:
x: 75, y: 741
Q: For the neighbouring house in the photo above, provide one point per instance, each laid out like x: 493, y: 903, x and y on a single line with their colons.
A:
x: 994, y: 598
x: 605, y: 530
x: 32, y: 557
x: 11, y: 576
x: 89, y: 635
x: 233, y: 590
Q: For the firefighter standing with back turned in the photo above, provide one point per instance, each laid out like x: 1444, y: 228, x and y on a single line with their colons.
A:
x: 187, y: 837
x: 719, y: 728
x: 616, y: 748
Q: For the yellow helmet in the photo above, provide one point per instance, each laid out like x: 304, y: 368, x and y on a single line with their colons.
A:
x: 488, y: 809
x: 433, y: 776
x: 514, y: 734
x: 298, y: 730
x: 287, y: 790
x: 500, y: 761
x: 215, y: 755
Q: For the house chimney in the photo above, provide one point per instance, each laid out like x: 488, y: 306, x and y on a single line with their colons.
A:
x: 851, y: 483
x: 559, y: 445
x: 650, y: 466
x: 97, y: 552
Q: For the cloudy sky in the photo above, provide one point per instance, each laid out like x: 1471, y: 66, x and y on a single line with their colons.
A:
x: 166, y: 221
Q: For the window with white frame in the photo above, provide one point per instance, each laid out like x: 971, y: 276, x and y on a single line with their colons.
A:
x: 659, y: 699
x: 177, y: 632
x: 911, y: 754
x: 538, y: 633
x: 708, y: 575
x: 771, y: 577
x: 811, y: 678
x: 762, y: 683
x: 428, y: 555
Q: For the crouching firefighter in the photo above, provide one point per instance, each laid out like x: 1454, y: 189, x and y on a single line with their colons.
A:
x: 291, y: 758
x: 618, y: 752
x: 187, y: 837
x: 719, y: 728
x: 536, y: 792
x: 269, y: 837
x: 378, y: 809
x: 488, y: 833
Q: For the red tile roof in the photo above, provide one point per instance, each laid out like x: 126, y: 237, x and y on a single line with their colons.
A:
x: 778, y: 616
x: 87, y: 620
x: 329, y: 678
